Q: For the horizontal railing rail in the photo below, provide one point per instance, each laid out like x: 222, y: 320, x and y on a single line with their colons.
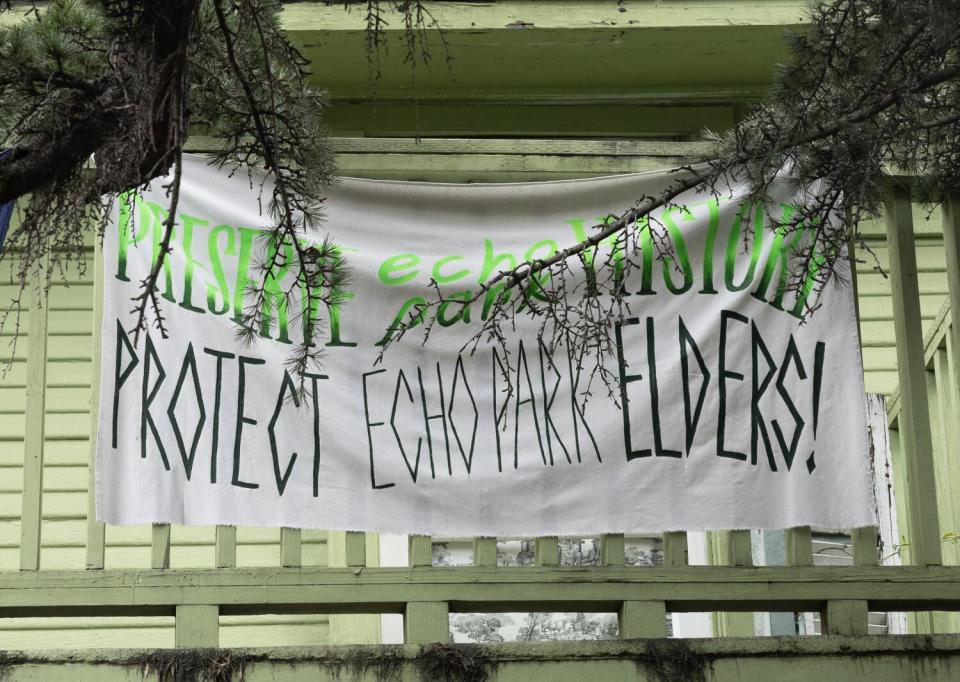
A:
x: 426, y: 596
x: 468, y: 590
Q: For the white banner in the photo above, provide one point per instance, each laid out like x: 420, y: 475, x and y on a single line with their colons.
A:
x: 735, y: 412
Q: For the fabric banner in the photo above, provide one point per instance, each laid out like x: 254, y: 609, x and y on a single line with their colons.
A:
x: 729, y: 408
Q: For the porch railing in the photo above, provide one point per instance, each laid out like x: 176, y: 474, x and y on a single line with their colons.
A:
x: 925, y: 415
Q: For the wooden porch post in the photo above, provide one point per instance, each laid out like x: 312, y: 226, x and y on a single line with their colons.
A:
x: 33, y: 435
x: 914, y: 419
x: 96, y: 531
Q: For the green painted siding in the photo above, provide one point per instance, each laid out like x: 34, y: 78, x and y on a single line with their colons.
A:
x: 876, y: 307
x: 66, y: 451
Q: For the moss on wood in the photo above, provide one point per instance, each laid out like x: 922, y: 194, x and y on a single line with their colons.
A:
x: 435, y: 663
x: 453, y: 663
x: 672, y: 660
x: 193, y: 665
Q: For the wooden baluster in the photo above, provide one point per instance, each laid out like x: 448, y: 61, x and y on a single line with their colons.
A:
x: 291, y: 554
x: 732, y: 548
x: 799, y: 546
x: 914, y: 418
x: 424, y: 621
x: 484, y: 551
x: 348, y: 549
x: 865, y: 546
x: 420, y: 550
x: 611, y: 549
x: 642, y: 619
x: 898, y: 469
x: 845, y: 617
x: 355, y: 549
x: 636, y: 618
x: 33, y: 435
x: 96, y: 531
x: 864, y: 539
x: 675, y: 549
x: 789, y: 547
x: 226, y: 547
x: 197, y: 626
x: 547, y: 551
x: 160, y: 546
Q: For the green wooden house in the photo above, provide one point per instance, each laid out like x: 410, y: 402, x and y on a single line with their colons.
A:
x: 531, y: 91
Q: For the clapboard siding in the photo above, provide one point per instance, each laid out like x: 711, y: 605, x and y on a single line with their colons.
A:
x: 876, y: 311
x: 235, y: 631
x: 136, y: 554
x: 64, y: 525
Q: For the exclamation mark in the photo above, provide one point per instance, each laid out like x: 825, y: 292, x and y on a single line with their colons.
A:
x: 817, y: 377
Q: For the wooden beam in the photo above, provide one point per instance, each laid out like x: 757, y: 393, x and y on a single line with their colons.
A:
x: 845, y: 617
x: 529, y: 147
x: 642, y: 619
x: 197, y: 626
x: 426, y: 622
x: 33, y: 437
x: 472, y: 589
x: 96, y: 531
x: 523, y: 115
x: 491, y: 160
x: 914, y: 418
x: 475, y: 146
x: 565, y: 47
x: 530, y: 18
